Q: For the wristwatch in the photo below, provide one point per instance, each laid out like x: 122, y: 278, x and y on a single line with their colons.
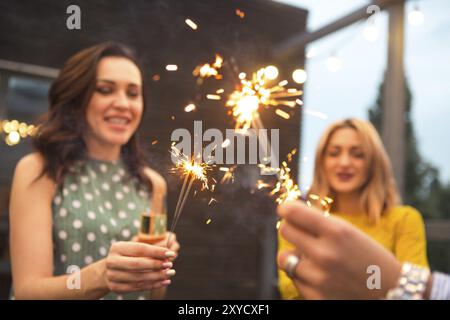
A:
x: 412, y: 283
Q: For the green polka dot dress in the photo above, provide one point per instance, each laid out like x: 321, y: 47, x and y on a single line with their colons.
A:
x: 96, y: 205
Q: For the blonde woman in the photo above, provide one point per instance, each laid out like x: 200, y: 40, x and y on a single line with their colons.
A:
x: 352, y: 167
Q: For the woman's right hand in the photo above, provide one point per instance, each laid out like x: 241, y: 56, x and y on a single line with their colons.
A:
x: 134, y: 266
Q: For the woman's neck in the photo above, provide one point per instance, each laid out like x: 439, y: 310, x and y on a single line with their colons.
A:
x: 104, y: 152
x: 349, y: 203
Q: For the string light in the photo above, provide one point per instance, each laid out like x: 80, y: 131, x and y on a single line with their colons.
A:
x: 371, y: 32
x: 415, y: 16
x: 271, y: 72
x: 334, y: 64
x: 299, y: 76
x: 14, y: 131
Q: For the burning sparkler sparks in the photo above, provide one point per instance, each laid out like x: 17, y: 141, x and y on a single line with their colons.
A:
x: 287, y: 190
x: 192, y: 170
x: 190, y: 107
x: 240, y: 13
x: 229, y: 174
x: 209, y: 70
x: 252, y: 94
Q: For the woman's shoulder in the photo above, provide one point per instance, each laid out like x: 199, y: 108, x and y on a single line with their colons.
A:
x: 405, y: 213
x: 30, y: 165
x: 29, y: 170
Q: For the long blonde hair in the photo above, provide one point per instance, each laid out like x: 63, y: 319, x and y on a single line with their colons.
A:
x: 379, y: 192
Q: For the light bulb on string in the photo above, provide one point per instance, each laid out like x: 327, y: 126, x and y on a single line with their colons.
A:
x: 371, y: 32
x: 310, y: 53
x: 299, y: 76
x: 271, y: 72
x: 334, y: 64
x: 415, y: 16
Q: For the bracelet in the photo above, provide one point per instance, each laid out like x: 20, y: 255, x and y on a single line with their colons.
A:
x: 411, y: 285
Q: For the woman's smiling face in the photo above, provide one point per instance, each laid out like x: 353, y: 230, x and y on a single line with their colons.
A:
x: 345, y: 162
x: 115, y: 108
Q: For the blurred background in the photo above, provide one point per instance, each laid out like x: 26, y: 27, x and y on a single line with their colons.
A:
x: 351, y: 58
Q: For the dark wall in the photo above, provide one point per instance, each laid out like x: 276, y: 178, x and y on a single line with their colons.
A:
x: 233, y: 257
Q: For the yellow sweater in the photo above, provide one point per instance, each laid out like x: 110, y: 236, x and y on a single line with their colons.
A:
x: 401, y: 231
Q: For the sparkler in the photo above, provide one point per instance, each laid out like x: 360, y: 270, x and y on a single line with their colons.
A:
x: 287, y: 190
x: 209, y: 70
x: 259, y: 92
x: 252, y: 94
x: 192, y: 170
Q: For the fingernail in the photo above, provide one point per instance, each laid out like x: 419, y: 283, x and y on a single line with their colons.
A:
x: 170, y: 272
x: 167, y: 265
x: 170, y: 254
x: 166, y: 282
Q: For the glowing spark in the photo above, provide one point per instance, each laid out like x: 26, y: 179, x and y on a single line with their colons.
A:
x: 156, y: 77
x: 172, y: 117
x: 278, y: 224
x: 209, y: 70
x: 208, y: 221
x: 229, y: 174
x: 191, y: 24
x: 211, y: 201
x: 261, y: 184
x: 171, y: 67
x: 213, y: 97
x: 226, y: 143
x: 154, y: 142
x: 291, y: 154
x: 190, y: 107
x: 285, y: 188
x: 240, y: 13
x: 220, y: 91
x: 252, y: 94
x: 324, y: 203
x: 282, y: 114
x: 191, y: 167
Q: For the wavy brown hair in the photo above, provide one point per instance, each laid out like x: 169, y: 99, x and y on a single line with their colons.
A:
x: 379, y: 192
x: 59, y: 138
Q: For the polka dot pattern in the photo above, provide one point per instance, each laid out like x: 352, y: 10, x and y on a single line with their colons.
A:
x: 95, y: 207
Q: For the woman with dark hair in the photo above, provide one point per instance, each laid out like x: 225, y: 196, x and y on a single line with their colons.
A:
x: 76, y: 201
